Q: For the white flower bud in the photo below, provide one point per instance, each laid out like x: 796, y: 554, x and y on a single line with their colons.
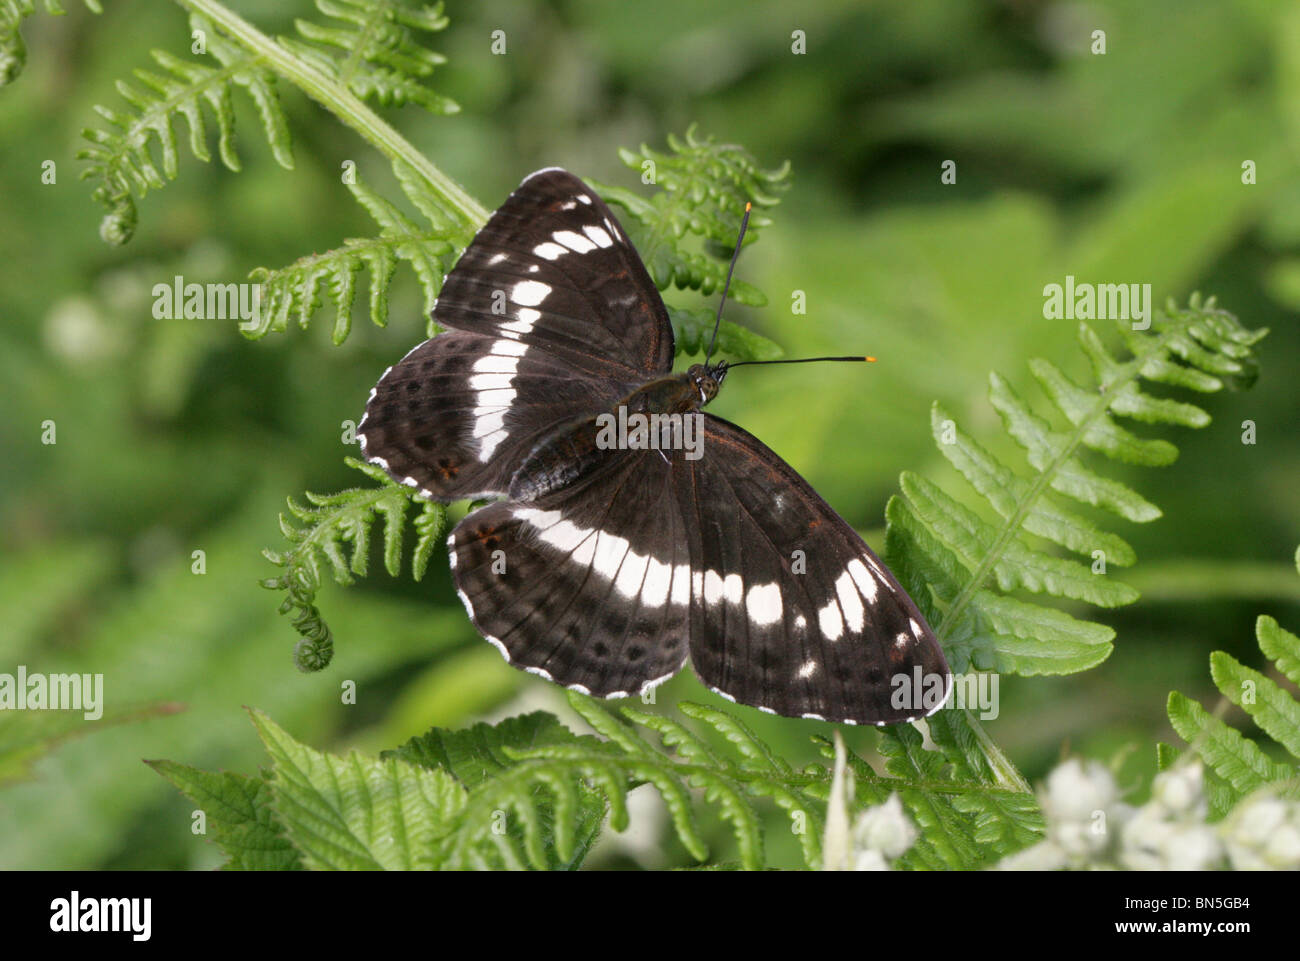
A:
x: 885, y: 828
x: 1181, y: 790
x: 1076, y: 791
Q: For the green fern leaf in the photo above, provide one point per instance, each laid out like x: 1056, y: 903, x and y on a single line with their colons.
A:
x: 335, y: 539
x: 13, y: 52
x: 238, y: 812
x: 295, y: 291
x: 693, y: 328
x: 122, y: 159
x: 1280, y: 646
x: 946, y: 552
x: 703, y: 189
x: 376, y: 49
x: 1237, y: 765
x: 562, y: 830
x: 359, y: 813
x: 1275, y: 711
x: 1237, y: 760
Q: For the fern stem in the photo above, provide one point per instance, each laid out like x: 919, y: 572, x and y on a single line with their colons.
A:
x: 340, y: 101
x: 1003, y: 769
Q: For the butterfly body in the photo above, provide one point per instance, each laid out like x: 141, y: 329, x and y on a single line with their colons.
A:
x: 607, y: 561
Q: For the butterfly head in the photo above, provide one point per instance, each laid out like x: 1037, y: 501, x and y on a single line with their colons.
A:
x: 707, y: 380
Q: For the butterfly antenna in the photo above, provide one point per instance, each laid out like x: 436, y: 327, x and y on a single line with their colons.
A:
x: 727, y: 286
x: 803, y: 360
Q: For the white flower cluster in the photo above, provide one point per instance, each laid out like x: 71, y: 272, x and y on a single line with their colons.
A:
x: 879, y: 835
x: 1088, y: 826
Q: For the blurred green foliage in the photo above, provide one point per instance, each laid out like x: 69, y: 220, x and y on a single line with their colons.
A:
x: 175, y: 436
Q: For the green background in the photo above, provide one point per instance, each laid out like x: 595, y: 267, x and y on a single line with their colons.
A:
x: 175, y: 436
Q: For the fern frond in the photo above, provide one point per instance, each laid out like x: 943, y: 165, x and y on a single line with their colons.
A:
x: 720, y: 761
x: 295, y: 291
x: 692, y: 330
x: 375, y: 49
x: 947, y: 554
x: 13, y: 52
x: 1240, y: 765
x: 529, y: 793
x: 703, y: 189
x: 122, y: 159
x: 335, y: 539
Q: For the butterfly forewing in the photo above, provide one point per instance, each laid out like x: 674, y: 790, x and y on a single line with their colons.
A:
x: 551, y: 316
x: 554, y: 270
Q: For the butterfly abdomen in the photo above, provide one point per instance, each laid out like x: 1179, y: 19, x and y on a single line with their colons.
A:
x: 567, y: 457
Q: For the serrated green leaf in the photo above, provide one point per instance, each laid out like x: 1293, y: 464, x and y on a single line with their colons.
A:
x: 1238, y: 761
x: 1280, y: 646
x: 239, y: 815
x: 1273, y: 709
x: 121, y: 159
x: 359, y: 813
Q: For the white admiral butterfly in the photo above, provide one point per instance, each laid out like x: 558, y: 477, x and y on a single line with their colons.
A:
x: 602, y: 568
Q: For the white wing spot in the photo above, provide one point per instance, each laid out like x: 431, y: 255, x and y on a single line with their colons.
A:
x: 492, y: 379
x: 763, y: 602
x: 530, y: 293
x: 550, y: 251
x: 631, y: 574
x: 658, y: 579
x: 733, y: 589
x: 850, y: 601
x: 601, y: 238
x: 525, y: 317
x: 829, y: 620
x: 712, y: 587
x: 722, y: 693
x: 574, y: 241
x: 609, y: 553
x: 863, y: 579
x: 681, y: 585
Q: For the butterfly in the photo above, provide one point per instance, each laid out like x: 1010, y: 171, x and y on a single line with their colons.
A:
x: 604, y: 567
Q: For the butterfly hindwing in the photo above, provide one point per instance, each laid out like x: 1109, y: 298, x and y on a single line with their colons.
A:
x: 589, y: 587
x: 791, y: 611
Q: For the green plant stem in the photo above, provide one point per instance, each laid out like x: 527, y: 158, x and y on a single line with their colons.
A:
x: 1006, y: 772
x: 344, y: 104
